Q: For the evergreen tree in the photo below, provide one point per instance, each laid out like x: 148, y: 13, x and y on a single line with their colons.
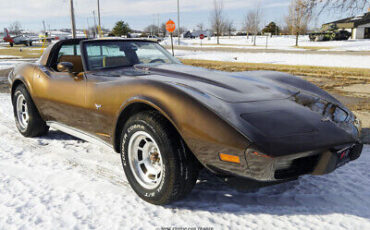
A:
x: 121, y: 28
x: 271, y: 28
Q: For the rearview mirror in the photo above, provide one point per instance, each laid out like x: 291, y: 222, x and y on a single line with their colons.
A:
x: 65, y: 67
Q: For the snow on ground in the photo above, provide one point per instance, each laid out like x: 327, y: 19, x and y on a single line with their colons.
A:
x: 331, y: 60
x: 60, y: 182
x: 275, y: 42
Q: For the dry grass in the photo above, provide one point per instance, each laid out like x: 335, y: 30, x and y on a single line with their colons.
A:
x: 21, y: 52
x: 353, y: 74
x: 315, y: 48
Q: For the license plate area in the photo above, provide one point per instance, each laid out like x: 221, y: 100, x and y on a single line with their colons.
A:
x: 343, y: 156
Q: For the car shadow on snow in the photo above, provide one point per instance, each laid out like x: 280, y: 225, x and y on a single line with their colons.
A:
x: 346, y: 190
x: 58, y: 135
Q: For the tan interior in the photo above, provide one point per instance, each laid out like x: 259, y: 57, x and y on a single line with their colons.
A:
x: 75, y: 60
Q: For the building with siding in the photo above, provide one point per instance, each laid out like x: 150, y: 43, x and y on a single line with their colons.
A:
x: 359, y: 26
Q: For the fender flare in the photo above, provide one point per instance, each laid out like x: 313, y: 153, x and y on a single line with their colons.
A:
x: 143, y: 100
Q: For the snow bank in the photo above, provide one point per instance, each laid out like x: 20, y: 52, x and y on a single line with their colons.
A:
x: 331, y: 60
x: 60, y: 182
x: 276, y: 42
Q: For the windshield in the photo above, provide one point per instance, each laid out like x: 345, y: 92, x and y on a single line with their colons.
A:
x: 112, y: 54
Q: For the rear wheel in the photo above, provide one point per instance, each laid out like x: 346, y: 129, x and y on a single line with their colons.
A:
x: 157, y: 164
x: 11, y: 44
x: 27, y: 118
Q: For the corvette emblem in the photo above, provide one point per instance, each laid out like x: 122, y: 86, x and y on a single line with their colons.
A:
x: 97, y: 106
x: 325, y: 119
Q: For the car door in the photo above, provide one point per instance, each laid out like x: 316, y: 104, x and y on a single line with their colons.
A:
x: 99, y: 96
x: 61, y: 96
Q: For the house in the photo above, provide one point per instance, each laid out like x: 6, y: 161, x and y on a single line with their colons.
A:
x: 197, y: 33
x: 359, y: 26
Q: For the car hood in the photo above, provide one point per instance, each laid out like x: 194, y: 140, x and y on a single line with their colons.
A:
x: 303, y: 114
x: 227, y: 86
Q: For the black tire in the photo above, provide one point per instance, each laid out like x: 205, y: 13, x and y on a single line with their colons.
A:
x: 36, y: 125
x: 181, y: 168
x: 11, y: 44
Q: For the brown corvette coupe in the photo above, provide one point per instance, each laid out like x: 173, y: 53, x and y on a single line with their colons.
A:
x: 168, y: 120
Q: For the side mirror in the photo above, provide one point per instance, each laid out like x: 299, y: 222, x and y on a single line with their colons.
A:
x: 65, y: 67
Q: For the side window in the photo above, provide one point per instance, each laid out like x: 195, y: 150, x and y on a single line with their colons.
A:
x: 71, y: 53
x: 69, y: 50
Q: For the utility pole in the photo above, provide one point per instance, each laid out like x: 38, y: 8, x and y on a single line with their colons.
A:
x: 95, y: 27
x: 43, y: 23
x: 158, y: 24
x: 99, y: 22
x: 73, y: 20
x: 178, y: 22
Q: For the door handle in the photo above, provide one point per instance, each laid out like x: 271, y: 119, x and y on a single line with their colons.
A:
x: 78, y: 77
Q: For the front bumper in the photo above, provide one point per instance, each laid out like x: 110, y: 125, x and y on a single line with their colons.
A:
x: 292, y: 166
x: 262, y: 170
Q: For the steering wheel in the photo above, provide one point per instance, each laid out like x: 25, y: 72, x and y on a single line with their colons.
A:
x: 157, y: 60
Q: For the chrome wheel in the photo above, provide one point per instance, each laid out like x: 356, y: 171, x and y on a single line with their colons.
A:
x: 145, y: 160
x: 22, y: 112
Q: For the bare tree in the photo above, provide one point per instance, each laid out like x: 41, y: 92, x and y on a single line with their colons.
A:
x: 15, y: 28
x: 151, y: 29
x: 252, y: 22
x: 229, y: 27
x: 200, y: 26
x: 298, y: 18
x: 163, y: 29
x: 217, y: 18
x: 182, y: 30
x: 343, y: 5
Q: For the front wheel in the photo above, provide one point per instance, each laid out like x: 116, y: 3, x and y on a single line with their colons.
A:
x: 157, y: 164
x: 27, y: 117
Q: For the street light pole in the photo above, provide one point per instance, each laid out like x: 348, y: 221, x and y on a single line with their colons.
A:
x: 178, y: 22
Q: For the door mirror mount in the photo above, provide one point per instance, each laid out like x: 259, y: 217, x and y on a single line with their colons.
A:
x: 65, y: 67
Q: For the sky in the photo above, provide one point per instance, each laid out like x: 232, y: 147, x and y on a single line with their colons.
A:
x: 140, y: 13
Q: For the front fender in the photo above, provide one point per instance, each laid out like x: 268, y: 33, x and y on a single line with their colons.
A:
x: 205, y: 133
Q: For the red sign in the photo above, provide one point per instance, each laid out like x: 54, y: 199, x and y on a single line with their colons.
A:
x: 201, y: 36
x: 170, y: 26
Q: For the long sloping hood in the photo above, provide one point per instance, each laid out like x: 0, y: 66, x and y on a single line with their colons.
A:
x: 274, y: 110
x: 230, y: 87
